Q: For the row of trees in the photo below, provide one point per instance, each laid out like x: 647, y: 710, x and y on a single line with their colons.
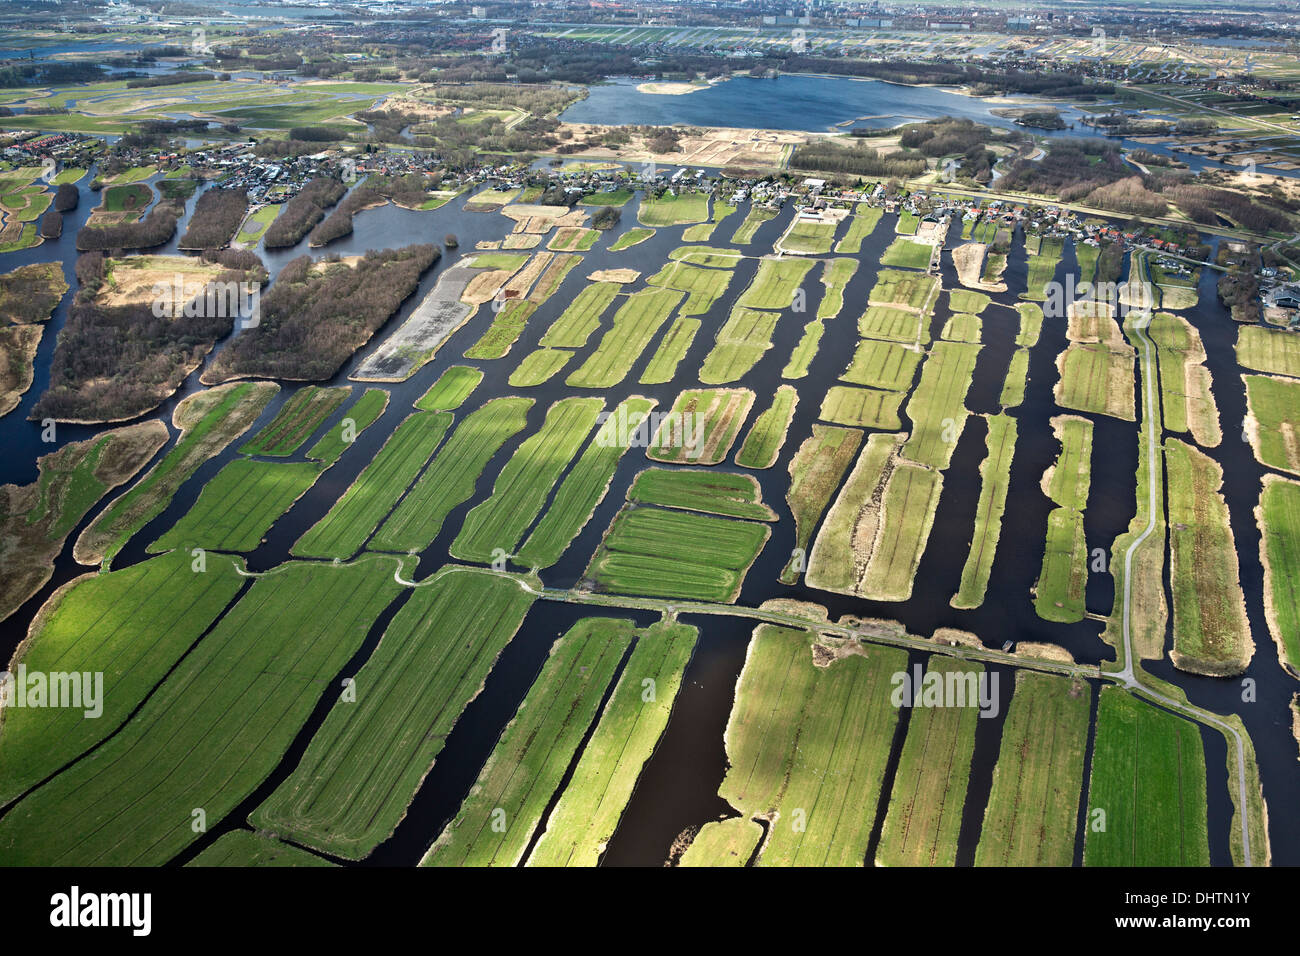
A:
x: 155, y: 229
x: 303, y: 211
x: 317, y: 315
x: 857, y: 160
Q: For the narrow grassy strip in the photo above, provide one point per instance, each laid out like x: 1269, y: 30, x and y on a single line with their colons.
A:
x: 815, y: 472
x: 995, y: 475
x: 130, y: 626
x: 450, y: 391
x: 240, y: 848
x: 864, y: 222
x: 635, y: 324
x: 538, y: 367
x: 300, y: 416
x: 210, y: 421
x: 929, y: 792
x: 354, y: 517
x: 504, y: 332
x: 1211, y: 633
x: 803, y: 354
x: 496, y: 525
x: 236, y: 509
x: 498, y: 818
x: 740, y: 343
x: 937, y: 407
x: 1278, y: 518
x: 673, y: 347
x: 588, y: 811
x: 835, y: 276
x: 886, y: 365
x: 723, y: 843
x: 214, y: 729
x: 630, y: 238
x: 365, y: 764
x: 450, y: 480
x: 703, y: 286
x: 1031, y: 324
x: 586, y: 484
x: 1013, y: 387
x: 767, y: 435
x: 893, y: 323
x: 662, y: 553
x: 582, y: 317
x: 712, y: 492
x: 756, y: 216
x: 1032, y: 811
x: 775, y: 283
x: 807, y: 744
x: 1185, y: 387
x: 1063, y: 580
x: 360, y: 415
x: 701, y: 426
x: 1147, y: 785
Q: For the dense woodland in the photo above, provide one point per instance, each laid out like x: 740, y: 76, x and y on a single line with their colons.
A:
x: 303, y: 211
x: 155, y: 229
x: 339, y: 223
x: 30, y: 293
x: 217, y: 214
x: 318, y: 313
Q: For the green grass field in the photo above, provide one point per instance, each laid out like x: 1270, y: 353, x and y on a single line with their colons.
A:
x: 767, y: 435
x: 1278, y: 516
x: 1148, y: 780
x: 589, y: 809
x: 366, y: 762
x: 1031, y: 324
x: 740, y: 343
x: 929, y: 792
x: 1268, y: 350
x: 676, y: 554
x: 835, y: 276
x: 496, y: 525
x: 964, y: 300
x: 809, y: 237
x: 585, y: 486
x: 1211, y: 633
x: 703, y: 286
x: 672, y: 349
x: 915, y: 290
x: 507, y: 802
x: 1031, y: 816
x: 1096, y: 379
x: 995, y: 476
x: 297, y: 419
x: 728, y: 842
x: 236, y: 509
x: 630, y: 238
x: 573, y: 239
x: 582, y: 317
x: 1059, y: 592
x: 212, y: 731
x: 713, y: 257
x: 893, y: 324
x: 887, y: 365
x: 704, y: 231
x: 359, y: 416
x: 863, y: 224
x: 507, y: 325
x: 130, y: 625
x: 450, y: 479
x: 1274, y: 405
x: 937, y: 406
x: 250, y: 233
x: 962, y: 327
x: 450, y: 391
x: 670, y: 210
x: 635, y: 323
x: 724, y: 493
x: 1185, y: 389
x: 816, y: 470
x: 907, y: 254
x: 808, y: 745
x: 701, y: 426
x: 775, y: 283
x: 354, y: 517
x: 803, y: 354
x: 907, y: 224
x: 1013, y: 386
x: 861, y: 407
x: 244, y: 849
x: 211, y: 421
x: 756, y: 216
x: 538, y: 367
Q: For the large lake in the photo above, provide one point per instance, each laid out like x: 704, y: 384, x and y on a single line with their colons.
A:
x: 789, y: 101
